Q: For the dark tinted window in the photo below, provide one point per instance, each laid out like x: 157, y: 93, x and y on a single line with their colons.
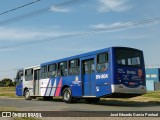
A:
x: 128, y: 57
x: 29, y: 74
x: 102, y: 58
x: 62, y: 68
x: 74, y: 67
x: 44, y: 72
x: 102, y: 62
x: 37, y: 74
x: 52, y: 70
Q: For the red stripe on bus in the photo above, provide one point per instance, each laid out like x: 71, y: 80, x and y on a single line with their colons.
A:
x: 58, y: 88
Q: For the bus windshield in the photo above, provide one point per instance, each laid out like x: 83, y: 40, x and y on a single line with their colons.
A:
x: 128, y: 57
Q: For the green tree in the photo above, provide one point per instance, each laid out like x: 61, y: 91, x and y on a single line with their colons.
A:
x: 7, y: 82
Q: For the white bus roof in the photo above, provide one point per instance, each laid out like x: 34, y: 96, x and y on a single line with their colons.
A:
x: 34, y: 67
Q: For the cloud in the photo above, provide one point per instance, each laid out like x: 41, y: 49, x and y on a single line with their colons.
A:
x: 102, y: 25
x: 122, y: 26
x: 58, y: 9
x: 114, y: 5
x: 24, y: 34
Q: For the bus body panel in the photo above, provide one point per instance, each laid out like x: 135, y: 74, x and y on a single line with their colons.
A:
x: 19, y: 89
x: 103, y: 82
x: 50, y: 86
x: 104, y: 79
x: 19, y: 82
x: 53, y: 86
x: 29, y: 85
x: 75, y: 84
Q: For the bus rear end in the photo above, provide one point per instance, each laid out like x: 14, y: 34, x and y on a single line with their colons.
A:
x: 128, y: 72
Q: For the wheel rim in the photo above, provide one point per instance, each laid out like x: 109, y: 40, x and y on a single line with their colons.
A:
x: 66, y: 95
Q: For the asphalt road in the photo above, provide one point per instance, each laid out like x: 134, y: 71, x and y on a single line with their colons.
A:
x: 59, y: 105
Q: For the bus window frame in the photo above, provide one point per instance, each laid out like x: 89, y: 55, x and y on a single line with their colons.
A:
x: 126, y: 60
x: 29, y: 76
x: 54, y: 70
x: 106, y: 62
x: 60, y: 71
x: 75, y: 68
x: 44, y: 72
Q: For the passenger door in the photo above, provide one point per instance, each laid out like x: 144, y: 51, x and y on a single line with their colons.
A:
x: 88, y: 76
x: 36, y: 82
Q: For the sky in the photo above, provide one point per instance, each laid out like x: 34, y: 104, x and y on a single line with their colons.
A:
x: 78, y: 17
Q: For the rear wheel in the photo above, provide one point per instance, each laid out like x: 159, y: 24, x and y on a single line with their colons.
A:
x: 67, y: 95
x: 27, y: 95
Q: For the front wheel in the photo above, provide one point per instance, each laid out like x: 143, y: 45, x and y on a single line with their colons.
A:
x: 67, y: 95
x: 27, y: 95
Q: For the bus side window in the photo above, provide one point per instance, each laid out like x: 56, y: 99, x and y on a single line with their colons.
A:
x: 102, y: 62
x: 52, y: 70
x: 62, y: 69
x: 44, y: 72
x: 28, y: 74
x: 74, y: 67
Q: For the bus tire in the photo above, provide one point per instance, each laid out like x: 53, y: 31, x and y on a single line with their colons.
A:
x: 67, y: 95
x: 27, y: 95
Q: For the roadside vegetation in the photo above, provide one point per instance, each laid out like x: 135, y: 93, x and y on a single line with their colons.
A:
x: 6, y: 82
x: 7, y: 92
x: 150, y: 96
x: 7, y: 109
x: 155, y: 94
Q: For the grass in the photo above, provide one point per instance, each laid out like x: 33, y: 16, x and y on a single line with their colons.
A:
x: 7, y: 109
x: 150, y: 96
x: 12, y: 95
x: 155, y: 94
x: 8, y: 92
x: 7, y: 89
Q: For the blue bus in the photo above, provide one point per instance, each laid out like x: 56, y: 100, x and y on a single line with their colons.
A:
x: 109, y: 72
